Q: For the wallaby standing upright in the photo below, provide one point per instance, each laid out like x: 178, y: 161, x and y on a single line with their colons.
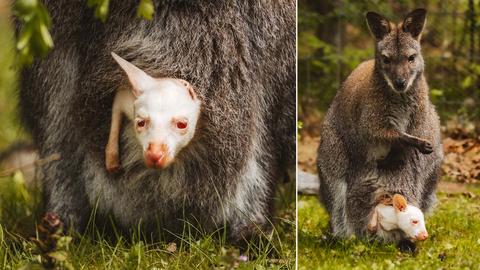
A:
x: 381, y: 132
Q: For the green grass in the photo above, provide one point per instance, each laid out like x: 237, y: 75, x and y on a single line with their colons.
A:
x: 19, y: 212
x: 454, y: 241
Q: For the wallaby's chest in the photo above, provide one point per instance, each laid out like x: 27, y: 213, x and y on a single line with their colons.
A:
x: 395, y: 117
x: 378, y: 151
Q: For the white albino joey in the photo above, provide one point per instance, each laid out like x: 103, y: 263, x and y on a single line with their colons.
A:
x: 397, y: 214
x: 164, y: 114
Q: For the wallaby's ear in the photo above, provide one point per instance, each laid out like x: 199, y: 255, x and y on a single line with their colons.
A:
x: 140, y: 80
x: 414, y: 22
x: 379, y: 26
x: 399, y: 202
x: 189, y: 87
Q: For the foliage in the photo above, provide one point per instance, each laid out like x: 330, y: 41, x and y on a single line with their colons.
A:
x: 145, y: 9
x: 100, y: 7
x: 334, y: 38
x: 34, y: 39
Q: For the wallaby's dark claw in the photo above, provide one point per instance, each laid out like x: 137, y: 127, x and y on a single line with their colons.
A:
x: 426, y: 148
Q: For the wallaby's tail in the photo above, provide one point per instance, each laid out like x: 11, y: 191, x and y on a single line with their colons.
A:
x: 308, y: 183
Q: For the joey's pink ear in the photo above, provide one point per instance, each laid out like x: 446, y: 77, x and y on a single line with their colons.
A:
x: 399, y: 202
x: 189, y: 87
x: 139, y: 80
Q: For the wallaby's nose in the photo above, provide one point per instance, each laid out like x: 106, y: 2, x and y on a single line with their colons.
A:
x: 400, y: 84
x: 156, y: 155
x: 422, y: 236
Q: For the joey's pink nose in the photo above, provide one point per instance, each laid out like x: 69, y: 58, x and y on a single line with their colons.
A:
x: 422, y: 236
x: 156, y: 156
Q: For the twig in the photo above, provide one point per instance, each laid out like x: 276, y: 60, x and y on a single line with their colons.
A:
x: 37, y: 163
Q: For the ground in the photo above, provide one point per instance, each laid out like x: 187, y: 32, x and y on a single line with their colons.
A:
x: 454, y: 241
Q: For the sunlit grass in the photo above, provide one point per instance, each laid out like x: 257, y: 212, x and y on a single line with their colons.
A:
x: 454, y: 241
x: 193, y: 249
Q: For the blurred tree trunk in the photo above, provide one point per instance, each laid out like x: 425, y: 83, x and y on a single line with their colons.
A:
x: 472, y: 20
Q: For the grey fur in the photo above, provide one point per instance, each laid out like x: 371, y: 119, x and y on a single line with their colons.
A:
x: 365, y: 146
x: 240, y: 58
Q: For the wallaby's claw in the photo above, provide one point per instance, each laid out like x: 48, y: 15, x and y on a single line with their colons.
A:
x: 426, y: 148
x: 113, y: 168
x: 112, y: 161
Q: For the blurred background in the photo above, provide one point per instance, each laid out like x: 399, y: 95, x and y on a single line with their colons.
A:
x: 334, y: 38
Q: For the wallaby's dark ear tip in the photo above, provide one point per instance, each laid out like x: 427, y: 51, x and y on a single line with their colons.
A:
x: 414, y: 22
x: 378, y: 25
x: 372, y: 15
x: 420, y: 11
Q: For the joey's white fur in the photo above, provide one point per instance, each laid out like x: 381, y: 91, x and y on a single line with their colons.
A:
x: 163, y: 111
x: 399, y: 216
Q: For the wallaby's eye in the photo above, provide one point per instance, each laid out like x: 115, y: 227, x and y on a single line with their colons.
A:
x: 182, y: 125
x: 386, y: 60
x: 141, y: 123
x: 411, y: 58
x: 414, y: 222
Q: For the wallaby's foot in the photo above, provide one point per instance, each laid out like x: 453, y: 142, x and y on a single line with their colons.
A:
x: 406, y: 245
x: 425, y: 147
x: 112, y: 160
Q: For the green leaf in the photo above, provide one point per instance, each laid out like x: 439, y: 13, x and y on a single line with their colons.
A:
x: 46, y: 37
x: 146, y: 9
x: 467, y: 82
x: 59, y: 256
x: 25, y: 6
x: 24, y: 37
x: 436, y: 93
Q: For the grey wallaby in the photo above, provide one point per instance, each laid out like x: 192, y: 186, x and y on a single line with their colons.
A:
x: 381, y: 132
x: 239, y: 57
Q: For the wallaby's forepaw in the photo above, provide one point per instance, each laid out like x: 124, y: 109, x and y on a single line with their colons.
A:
x: 113, y: 168
x: 112, y: 162
x: 425, y: 147
x: 372, y: 228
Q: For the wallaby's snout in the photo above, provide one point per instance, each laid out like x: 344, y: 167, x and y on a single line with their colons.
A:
x: 157, y: 156
x: 422, y: 236
x: 400, y: 84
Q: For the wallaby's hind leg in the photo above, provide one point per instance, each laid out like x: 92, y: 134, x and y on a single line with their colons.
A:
x: 429, y: 197
x: 333, y: 185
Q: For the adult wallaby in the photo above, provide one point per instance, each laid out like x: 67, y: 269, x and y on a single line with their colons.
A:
x: 239, y: 56
x: 381, y: 132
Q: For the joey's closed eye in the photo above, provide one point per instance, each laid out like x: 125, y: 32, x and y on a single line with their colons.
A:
x: 414, y: 222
